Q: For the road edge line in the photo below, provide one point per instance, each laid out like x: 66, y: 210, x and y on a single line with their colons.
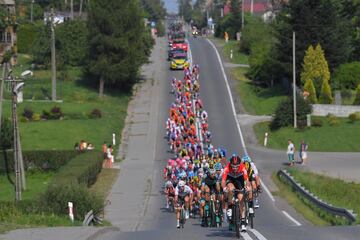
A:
x: 291, y: 218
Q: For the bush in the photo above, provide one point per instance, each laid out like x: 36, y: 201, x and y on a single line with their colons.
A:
x: 45, y: 115
x: 346, y: 93
x: 95, y: 113
x: 38, y: 160
x: 36, y: 117
x: 56, y: 199
x: 26, y: 36
x: 333, y: 120
x: 6, y: 137
x: 325, y: 93
x: 28, y: 113
x: 284, y: 113
x: 56, y: 113
x: 317, y: 123
x: 353, y: 117
x: 83, y: 169
x: 347, y: 75
x: 357, y: 97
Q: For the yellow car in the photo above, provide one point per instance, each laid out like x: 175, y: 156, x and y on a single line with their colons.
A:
x: 179, y: 61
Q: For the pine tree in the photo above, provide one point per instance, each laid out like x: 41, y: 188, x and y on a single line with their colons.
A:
x: 309, y: 87
x: 325, y: 94
x: 357, y: 98
x: 315, y: 67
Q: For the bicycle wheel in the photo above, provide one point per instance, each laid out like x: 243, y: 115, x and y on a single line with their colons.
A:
x: 182, y: 217
x: 236, y: 219
x: 213, y: 214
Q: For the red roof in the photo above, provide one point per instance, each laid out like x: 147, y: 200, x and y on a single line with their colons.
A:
x: 258, y: 7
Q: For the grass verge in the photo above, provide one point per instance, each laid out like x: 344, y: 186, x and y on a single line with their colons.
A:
x: 104, y: 182
x: 238, y: 57
x: 335, y: 191
x: 342, y: 138
x: 287, y: 193
x: 257, y: 100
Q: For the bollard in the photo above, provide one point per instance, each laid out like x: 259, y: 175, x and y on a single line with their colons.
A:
x: 113, y: 139
x: 71, y: 211
x: 265, y: 139
x: 231, y: 54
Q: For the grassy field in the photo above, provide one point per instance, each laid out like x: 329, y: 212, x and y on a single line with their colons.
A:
x: 342, y: 138
x: 78, y: 102
x: 257, y: 100
x: 36, y: 183
x: 292, y: 198
x: 337, y: 192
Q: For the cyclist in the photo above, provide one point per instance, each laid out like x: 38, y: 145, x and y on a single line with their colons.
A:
x: 235, y: 177
x: 183, y: 193
x: 209, y: 187
x: 253, y: 178
x: 169, y: 193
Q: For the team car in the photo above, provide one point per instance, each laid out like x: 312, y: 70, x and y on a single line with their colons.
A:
x: 179, y: 61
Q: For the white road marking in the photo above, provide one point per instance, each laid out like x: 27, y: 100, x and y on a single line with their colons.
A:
x: 267, y: 191
x: 291, y: 218
x: 234, y: 112
x: 257, y: 234
x: 245, y: 236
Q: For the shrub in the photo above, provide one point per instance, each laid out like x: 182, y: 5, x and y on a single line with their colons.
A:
x: 28, y: 113
x: 317, y: 122
x: 325, y: 93
x: 346, y: 93
x: 310, y: 88
x: 45, y: 115
x: 353, y: 117
x: 36, y: 117
x: 56, y: 199
x: 333, y: 121
x: 357, y: 97
x: 56, y: 113
x: 347, y: 75
x: 6, y: 136
x: 43, y: 160
x: 284, y: 113
x: 95, y: 113
x: 26, y: 36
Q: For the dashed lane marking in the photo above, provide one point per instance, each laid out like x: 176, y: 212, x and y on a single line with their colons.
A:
x: 291, y: 218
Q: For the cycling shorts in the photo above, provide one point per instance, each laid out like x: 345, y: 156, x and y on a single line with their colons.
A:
x: 237, y: 182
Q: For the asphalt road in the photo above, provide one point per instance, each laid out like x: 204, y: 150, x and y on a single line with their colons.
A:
x: 270, y: 220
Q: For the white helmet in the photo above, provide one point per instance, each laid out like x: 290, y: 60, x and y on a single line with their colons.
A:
x: 181, y: 183
x: 168, y: 184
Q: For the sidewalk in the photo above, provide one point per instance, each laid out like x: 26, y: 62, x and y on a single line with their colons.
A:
x: 341, y: 165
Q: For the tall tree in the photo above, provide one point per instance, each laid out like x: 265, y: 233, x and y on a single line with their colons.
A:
x: 314, y: 22
x: 315, y: 67
x: 117, y: 43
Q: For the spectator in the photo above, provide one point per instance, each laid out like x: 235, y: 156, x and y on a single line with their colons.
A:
x: 110, y: 156
x: 104, y: 150
x: 291, y: 152
x: 90, y: 146
x: 303, y: 152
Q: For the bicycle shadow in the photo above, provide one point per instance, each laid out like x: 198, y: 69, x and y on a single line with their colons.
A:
x: 220, y: 232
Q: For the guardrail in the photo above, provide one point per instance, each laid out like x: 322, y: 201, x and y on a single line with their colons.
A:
x: 348, y: 214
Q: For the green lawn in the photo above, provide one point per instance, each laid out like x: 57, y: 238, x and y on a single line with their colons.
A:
x: 342, y: 138
x: 286, y: 192
x: 337, y: 192
x: 36, y: 183
x: 238, y: 57
x: 78, y: 102
x: 257, y: 100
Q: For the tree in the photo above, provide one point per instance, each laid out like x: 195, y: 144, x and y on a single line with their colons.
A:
x: 325, y: 94
x: 41, y: 50
x: 357, y: 97
x: 314, y: 22
x: 347, y: 75
x: 315, y: 67
x: 118, y: 43
x: 310, y: 89
x: 185, y: 8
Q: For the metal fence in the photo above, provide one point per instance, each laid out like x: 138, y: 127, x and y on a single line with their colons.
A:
x: 348, y: 214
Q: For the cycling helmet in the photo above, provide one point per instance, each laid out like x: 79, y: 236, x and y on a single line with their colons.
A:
x: 168, y: 184
x: 246, y: 158
x: 218, y: 167
x: 234, y: 162
x: 212, y: 171
x: 181, y: 183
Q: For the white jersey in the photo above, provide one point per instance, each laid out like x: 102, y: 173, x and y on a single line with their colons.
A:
x: 180, y: 193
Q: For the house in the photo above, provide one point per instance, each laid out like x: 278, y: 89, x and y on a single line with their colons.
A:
x: 8, y: 33
x: 259, y: 6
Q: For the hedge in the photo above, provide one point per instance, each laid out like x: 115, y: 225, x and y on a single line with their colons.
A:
x: 46, y: 160
x: 26, y: 36
x: 347, y: 75
x: 83, y: 169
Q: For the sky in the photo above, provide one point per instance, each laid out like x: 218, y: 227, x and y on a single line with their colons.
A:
x: 172, y: 6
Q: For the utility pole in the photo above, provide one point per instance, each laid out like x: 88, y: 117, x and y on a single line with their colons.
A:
x: 294, y: 80
x: 53, y: 58
x: 2, y: 91
x: 72, y: 10
x: 32, y: 10
x: 81, y: 6
x: 242, y: 14
x: 252, y: 7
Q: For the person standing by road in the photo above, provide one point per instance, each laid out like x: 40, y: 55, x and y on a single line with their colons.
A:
x: 303, y: 152
x: 291, y: 153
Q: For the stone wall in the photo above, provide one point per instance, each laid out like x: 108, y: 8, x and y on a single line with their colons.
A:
x: 337, y: 110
